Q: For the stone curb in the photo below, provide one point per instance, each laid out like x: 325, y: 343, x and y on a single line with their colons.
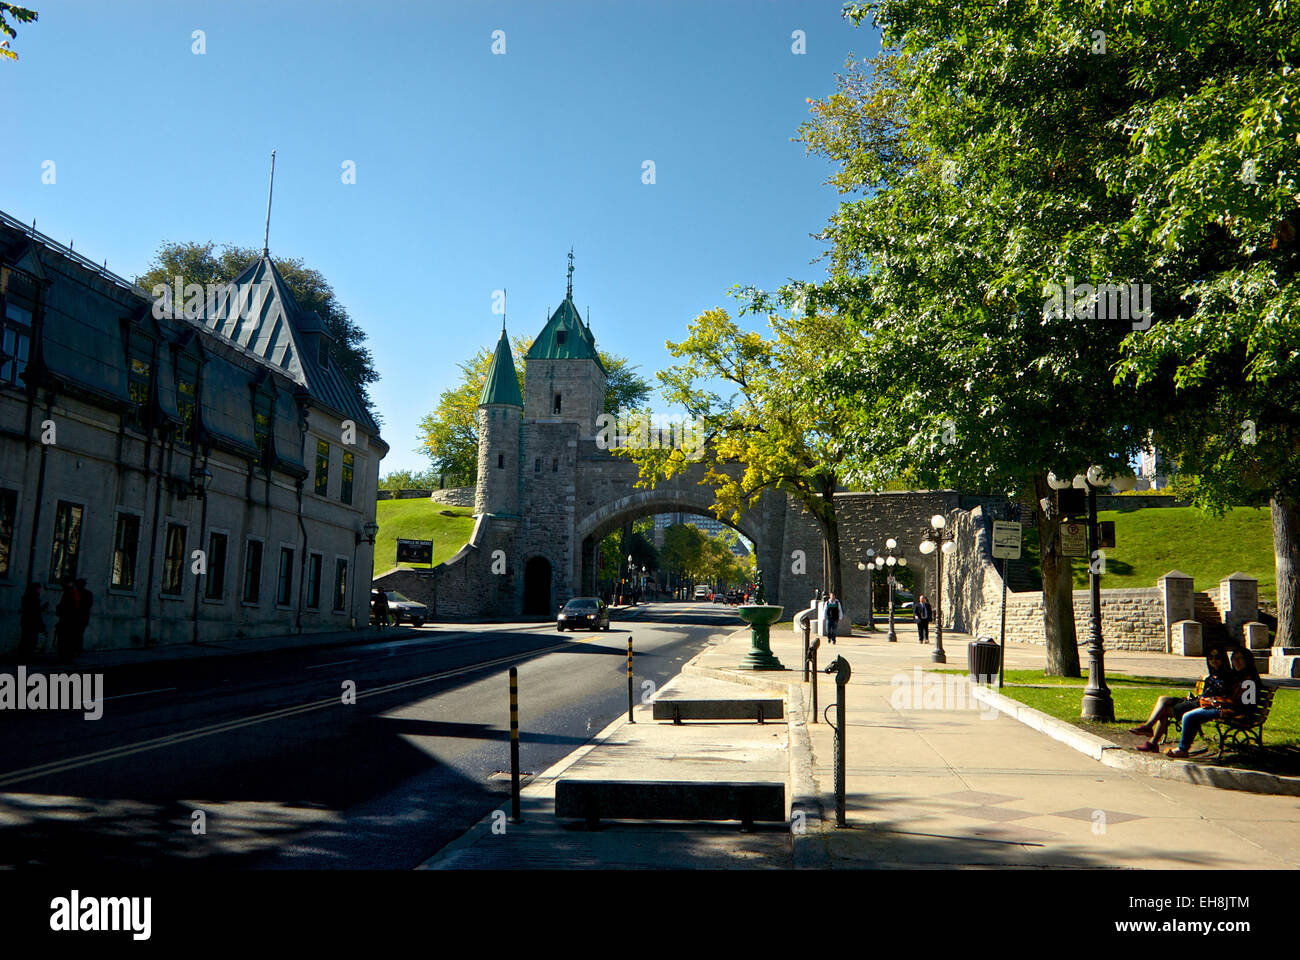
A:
x: 1111, y: 755
x: 809, y: 848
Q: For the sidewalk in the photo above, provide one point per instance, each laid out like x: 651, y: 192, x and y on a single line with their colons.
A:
x: 952, y: 784
x: 959, y: 785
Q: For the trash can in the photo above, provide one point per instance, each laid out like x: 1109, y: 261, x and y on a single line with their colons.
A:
x: 983, y: 658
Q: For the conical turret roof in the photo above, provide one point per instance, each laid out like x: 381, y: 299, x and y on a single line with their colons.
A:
x: 502, y: 385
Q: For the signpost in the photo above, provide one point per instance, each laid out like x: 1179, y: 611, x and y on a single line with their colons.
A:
x: 1006, y: 546
x: 1074, y: 539
x: 415, y: 551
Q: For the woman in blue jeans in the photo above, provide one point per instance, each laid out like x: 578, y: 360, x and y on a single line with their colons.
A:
x: 1218, y: 682
x: 1245, y: 694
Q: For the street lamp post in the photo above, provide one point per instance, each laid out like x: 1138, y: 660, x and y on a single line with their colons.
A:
x: 939, y: 545
x: 870, y: 567
x: 890, y: 560
x: 1097, y: 701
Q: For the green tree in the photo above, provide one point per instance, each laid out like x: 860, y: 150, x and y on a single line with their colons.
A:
x: 201, y: 263
x: 409, y: 480
x: 19, y: 15
x: 972, y: 203
x: 770, y: 432
x: 449, y: 435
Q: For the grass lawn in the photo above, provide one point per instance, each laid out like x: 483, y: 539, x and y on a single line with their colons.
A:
x: 448, y: 527
x: 1150, y: 543
x: 1135, y: 696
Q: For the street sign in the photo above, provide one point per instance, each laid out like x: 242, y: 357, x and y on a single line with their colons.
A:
x: 1106, y: 533
x: 1006, y: 540
x: 1072, y: 502
x: 415, y: 551
x: 1074, y: 539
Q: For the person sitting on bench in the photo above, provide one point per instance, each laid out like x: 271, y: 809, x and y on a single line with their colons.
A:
x: 1167, y: 708
x: 1238, y: 704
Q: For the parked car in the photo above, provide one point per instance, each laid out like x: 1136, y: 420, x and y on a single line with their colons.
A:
x: 401, y: 608
x: 589, y: 613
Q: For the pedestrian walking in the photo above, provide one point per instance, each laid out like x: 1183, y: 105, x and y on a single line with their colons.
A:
x: 381, y: 609
x: 85, y: 600
x: 68, y: 614
x: 833, y: 611
x: 923, y: 614
x: 31, y: 621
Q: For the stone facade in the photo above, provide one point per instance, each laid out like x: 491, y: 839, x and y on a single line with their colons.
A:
x: 141, y: 406
x: 452, y: 496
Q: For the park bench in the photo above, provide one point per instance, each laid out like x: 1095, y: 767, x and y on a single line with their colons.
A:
x: 733, y: 709
x: 594, y: 800
x: 1247, y: 732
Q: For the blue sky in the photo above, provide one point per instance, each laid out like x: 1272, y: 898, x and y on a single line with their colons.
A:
x: 474, y: 171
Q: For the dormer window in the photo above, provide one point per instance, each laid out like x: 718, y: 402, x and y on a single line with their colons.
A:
x: 262, y: 426
x: 323, y: 354
x: 187, y: 396
x: 560, y: 336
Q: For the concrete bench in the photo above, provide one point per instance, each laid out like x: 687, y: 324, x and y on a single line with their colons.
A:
x: 751, y: 709
x: 593, y: 800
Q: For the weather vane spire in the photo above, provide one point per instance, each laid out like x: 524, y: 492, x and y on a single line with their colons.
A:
x: 568, y: 290
x: 503, y: 311
x: 266, y: 239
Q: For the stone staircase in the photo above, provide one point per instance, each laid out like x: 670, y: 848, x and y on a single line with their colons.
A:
x: 1210, y: 617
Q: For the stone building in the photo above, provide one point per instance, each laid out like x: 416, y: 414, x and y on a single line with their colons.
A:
x: 205, y: 466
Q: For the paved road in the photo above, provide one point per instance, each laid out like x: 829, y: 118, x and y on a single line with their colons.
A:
x: 287, y: 775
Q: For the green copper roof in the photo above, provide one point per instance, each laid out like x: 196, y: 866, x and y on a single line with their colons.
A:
x: 502, y: 384
x: 565, y: 337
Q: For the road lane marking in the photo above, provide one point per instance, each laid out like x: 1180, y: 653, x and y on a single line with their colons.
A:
x: 123, y: 696
x: 117, y: 753
x: 333, y: 663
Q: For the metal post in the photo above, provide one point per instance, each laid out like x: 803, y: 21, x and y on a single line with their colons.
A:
x: 630, y: 718
x: 840, y: 667
x: 1097, y: 702
x: 871, y: 597
x: 939, y: 656
x: 812, y: 654
x: 1002, y: 657
x: 893, y: 637
x: 807, y: 628
x: 514, y: 746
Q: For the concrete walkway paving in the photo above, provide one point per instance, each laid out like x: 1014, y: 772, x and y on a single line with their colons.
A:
x: 934, y: 779
x: 944, y: 781
x: 644, y: 750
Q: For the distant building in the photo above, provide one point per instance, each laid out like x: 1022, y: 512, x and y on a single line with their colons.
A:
x: 1154, y: 468
x: 710, y: 525
x: 209, y: 476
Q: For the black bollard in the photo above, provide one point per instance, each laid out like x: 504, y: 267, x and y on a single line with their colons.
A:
x: 629, y: 681
x: 812, y: 655
x: 514, y: 746
x: 807, y: 629
x: 840, y: 667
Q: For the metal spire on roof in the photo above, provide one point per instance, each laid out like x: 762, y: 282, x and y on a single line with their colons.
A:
x: 266, y: 239
x: 568, y: 291
x: 503, y: 311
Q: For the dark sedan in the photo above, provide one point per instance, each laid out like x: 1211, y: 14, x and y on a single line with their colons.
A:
x: 583, y: 613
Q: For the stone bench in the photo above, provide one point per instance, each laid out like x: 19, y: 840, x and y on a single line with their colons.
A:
x: 594, y: 800
x: 731, y: 709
